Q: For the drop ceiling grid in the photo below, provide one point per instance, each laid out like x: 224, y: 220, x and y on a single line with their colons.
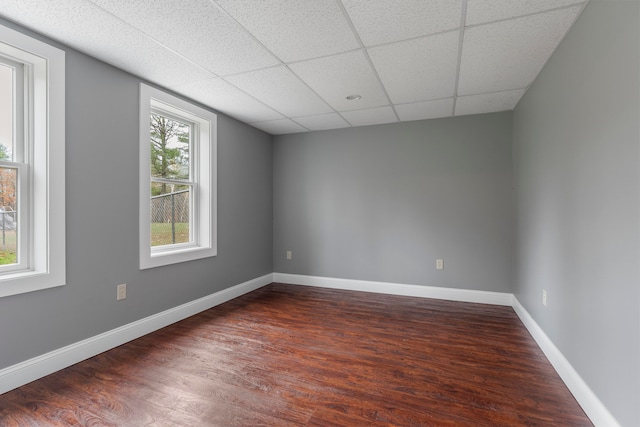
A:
x: 420, y: 69
x: 488, y: 102
x: 509, y: 54
x: 189, y: 26
x: 279, y: 127
x: 370, y: 116
x: 485, y: 11
x: 88, y: 28
x: 282, y: 90
x: 323, y: 122
x: 295, y: 30
x: 381, y: 21
x: 337, y: 76
x: 228, y: 99
x: 324, y: 84
x: 425, y: 110
x: 287, y: 66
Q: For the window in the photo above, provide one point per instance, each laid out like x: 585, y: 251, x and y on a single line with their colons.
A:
x: 32, y: 153
x: 177, y: 180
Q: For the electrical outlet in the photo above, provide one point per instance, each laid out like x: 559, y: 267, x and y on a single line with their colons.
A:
x: 544, y: 297
x: 439, y: 264
x: 289, y: 255
x: 122, y: 292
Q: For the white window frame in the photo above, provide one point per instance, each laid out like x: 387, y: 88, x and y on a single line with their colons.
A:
x: 41, y: 174
x: 203, y: 157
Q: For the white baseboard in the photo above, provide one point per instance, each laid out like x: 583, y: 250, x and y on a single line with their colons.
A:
x: 592, y: 406
x: 464, y: 295
x: 40, y: 366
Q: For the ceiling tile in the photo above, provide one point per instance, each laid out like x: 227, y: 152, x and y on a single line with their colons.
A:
x: 279, y: 127
x: 425, y: 110
x: 198, y: 29
x: 481, y: 11
x: 88, y: 28
x: 228, y: 54
x: 323, y: 121
x: 227, y: 99
x: 510, y: 54
x: 384, y: 21
x: 418, y: 70
x: 488, y: 102
x: 372, y: 116
x: 336, y: 77
x: 295, y: 30
x: 281, y: 90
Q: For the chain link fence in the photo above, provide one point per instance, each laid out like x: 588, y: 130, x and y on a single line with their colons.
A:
x: 170, y: 218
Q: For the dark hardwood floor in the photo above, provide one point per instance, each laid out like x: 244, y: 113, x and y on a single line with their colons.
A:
x: 299, y: 356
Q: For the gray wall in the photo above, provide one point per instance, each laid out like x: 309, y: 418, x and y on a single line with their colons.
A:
x: 576, y: 139
x: 102, y: 222
x: 383, y: 202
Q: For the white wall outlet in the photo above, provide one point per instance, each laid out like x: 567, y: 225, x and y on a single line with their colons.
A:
x: 544, y: 297
x: 122, y: 292
x: 289, y: 255
x: 439, y: 264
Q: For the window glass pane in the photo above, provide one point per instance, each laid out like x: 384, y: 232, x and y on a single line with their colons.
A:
x: 8, y: 216
x: 170, y: 213
x: 6, y: 113
x: 170, y: 140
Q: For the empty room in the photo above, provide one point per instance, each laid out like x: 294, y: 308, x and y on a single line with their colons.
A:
x: 320, y: 213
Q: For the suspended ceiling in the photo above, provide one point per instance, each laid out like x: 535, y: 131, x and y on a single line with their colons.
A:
x: 287, y: 66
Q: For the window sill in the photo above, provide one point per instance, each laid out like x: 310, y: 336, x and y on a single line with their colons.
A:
x: 23, y: 281
x: 175, y: 256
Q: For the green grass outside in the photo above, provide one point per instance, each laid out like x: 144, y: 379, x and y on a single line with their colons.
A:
x: 8, y: 253
x: 7, y: 257
x: 161, y: 233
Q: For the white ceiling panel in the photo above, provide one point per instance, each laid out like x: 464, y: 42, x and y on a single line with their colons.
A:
x: 279, y: 127
x: 295, y: 30
x: 288, y: 65
x: 481, y: 11
x: 425, y: 110
x: 323, y: 122
x: 420, y: 69
x: 90, y: 29
x: 371, y: 116
x: 228, y: 99
x: 280, y: 89
x: 488, y: 102
x: 510, y: 54
x: 189, y: 27
x: 383, y: 21
x: 336, y: 77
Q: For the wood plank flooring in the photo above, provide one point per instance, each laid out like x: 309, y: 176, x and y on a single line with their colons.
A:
x: 299, y: 356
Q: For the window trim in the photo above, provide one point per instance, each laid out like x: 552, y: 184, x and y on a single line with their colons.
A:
x: 20, y: 163
x: 45, y: 156
x: 204, y: 243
